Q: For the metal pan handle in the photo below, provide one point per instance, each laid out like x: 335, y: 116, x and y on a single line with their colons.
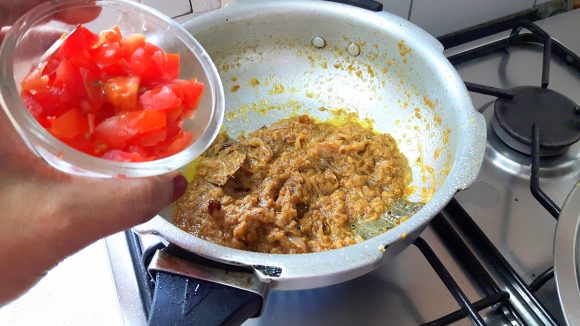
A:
x: 188, y: 292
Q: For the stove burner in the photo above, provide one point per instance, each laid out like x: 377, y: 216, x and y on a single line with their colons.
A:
x: 556, y: 115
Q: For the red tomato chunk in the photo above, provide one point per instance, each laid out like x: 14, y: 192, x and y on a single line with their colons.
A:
x: 113, y: 96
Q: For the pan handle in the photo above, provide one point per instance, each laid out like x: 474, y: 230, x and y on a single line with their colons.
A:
x: 180, y: 300
x: 192, y: 290
x: 364, y: 4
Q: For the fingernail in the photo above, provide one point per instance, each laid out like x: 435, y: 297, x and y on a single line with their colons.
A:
x: 179, y: 186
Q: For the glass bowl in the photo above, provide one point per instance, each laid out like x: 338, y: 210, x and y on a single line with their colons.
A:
x: 33, y: 34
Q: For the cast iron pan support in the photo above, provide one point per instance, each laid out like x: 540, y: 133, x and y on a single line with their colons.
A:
x: 202, y: 295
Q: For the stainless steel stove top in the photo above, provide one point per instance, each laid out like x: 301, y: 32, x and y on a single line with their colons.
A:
x: 405, y: 290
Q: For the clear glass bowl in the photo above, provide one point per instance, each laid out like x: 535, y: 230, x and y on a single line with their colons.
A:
x: 33, y: 34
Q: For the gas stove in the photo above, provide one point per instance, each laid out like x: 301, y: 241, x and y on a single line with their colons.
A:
x: 488, y: 258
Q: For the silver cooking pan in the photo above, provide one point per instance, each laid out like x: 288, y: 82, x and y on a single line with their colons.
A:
x: 282, y: 58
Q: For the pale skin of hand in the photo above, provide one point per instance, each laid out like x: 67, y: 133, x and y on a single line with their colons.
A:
x: 47, y: 215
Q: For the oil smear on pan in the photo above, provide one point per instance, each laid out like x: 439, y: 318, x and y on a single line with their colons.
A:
x: 372, y: 88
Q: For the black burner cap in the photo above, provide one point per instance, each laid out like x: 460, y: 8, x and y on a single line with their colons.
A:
x: 555, y: 114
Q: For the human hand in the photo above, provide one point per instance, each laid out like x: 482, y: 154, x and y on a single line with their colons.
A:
x: 47, y: 215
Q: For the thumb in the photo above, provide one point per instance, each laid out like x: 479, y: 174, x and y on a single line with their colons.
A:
x: 112, y: 205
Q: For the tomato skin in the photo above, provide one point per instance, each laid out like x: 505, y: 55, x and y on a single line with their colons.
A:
x: 112, y: 96
x: 122, y: 93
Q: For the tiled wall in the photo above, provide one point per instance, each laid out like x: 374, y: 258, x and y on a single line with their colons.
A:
x: 438, y: 17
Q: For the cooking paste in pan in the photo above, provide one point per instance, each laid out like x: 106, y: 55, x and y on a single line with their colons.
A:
x: 296, y: 186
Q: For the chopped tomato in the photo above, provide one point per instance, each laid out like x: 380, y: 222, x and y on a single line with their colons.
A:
x: 190, y: 91
x: 94, y: 90
x: 121, y: 156
x: 147, y: 62
x: 31, y: 104
x: 108, y: 36
x: 160, y: 98
x: 71, y: 124
x: 112, y: 96
x: 152, y: 137
x: 69, y: 78
x: 36, y: 81
x: 82, y: 144
x: 122, y: 93
x: 119, y: 130
x: 107, y: 54
x: 181, y: 141
x: 172, y: 66
x: 77, y: 43
x: 130, y: 43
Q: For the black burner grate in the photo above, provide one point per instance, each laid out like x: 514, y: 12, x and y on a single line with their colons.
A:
x: 519, y: 108
x: 454, y: 218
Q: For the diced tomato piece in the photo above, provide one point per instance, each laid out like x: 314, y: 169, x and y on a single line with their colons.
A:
x: 190, y: 91
x: 77, y: 43
x: 94, y: 90
x: 119, y: 130
x: 32, y: 105
x: 108, y: 36
x: 46, y: 121
x: 51, y: 66
x: 121, y: 67
x: 130, y: 43
x: 172, y: 66
x: 69, y: 77
x: 56, y: 101
x: 121, y: 156
x: 143, y: 151
x: 85, y: 63
x: 181, y: 141
x: 35, y: 81
x: 81, y: 143
x: 107, y: 54
x: 71, y: 124
x: 122, y: 93
x: 174, y: 114
x: 160, y: 98
x: 173, y: 128
x: 143, y: 63
x: 151, y: 138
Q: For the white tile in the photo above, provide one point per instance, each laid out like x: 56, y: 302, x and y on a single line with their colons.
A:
x: 440, y: 17
x: 397, y: 7
x: 171, y: 8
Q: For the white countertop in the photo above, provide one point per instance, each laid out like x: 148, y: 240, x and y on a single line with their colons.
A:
x: 79, y: 291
